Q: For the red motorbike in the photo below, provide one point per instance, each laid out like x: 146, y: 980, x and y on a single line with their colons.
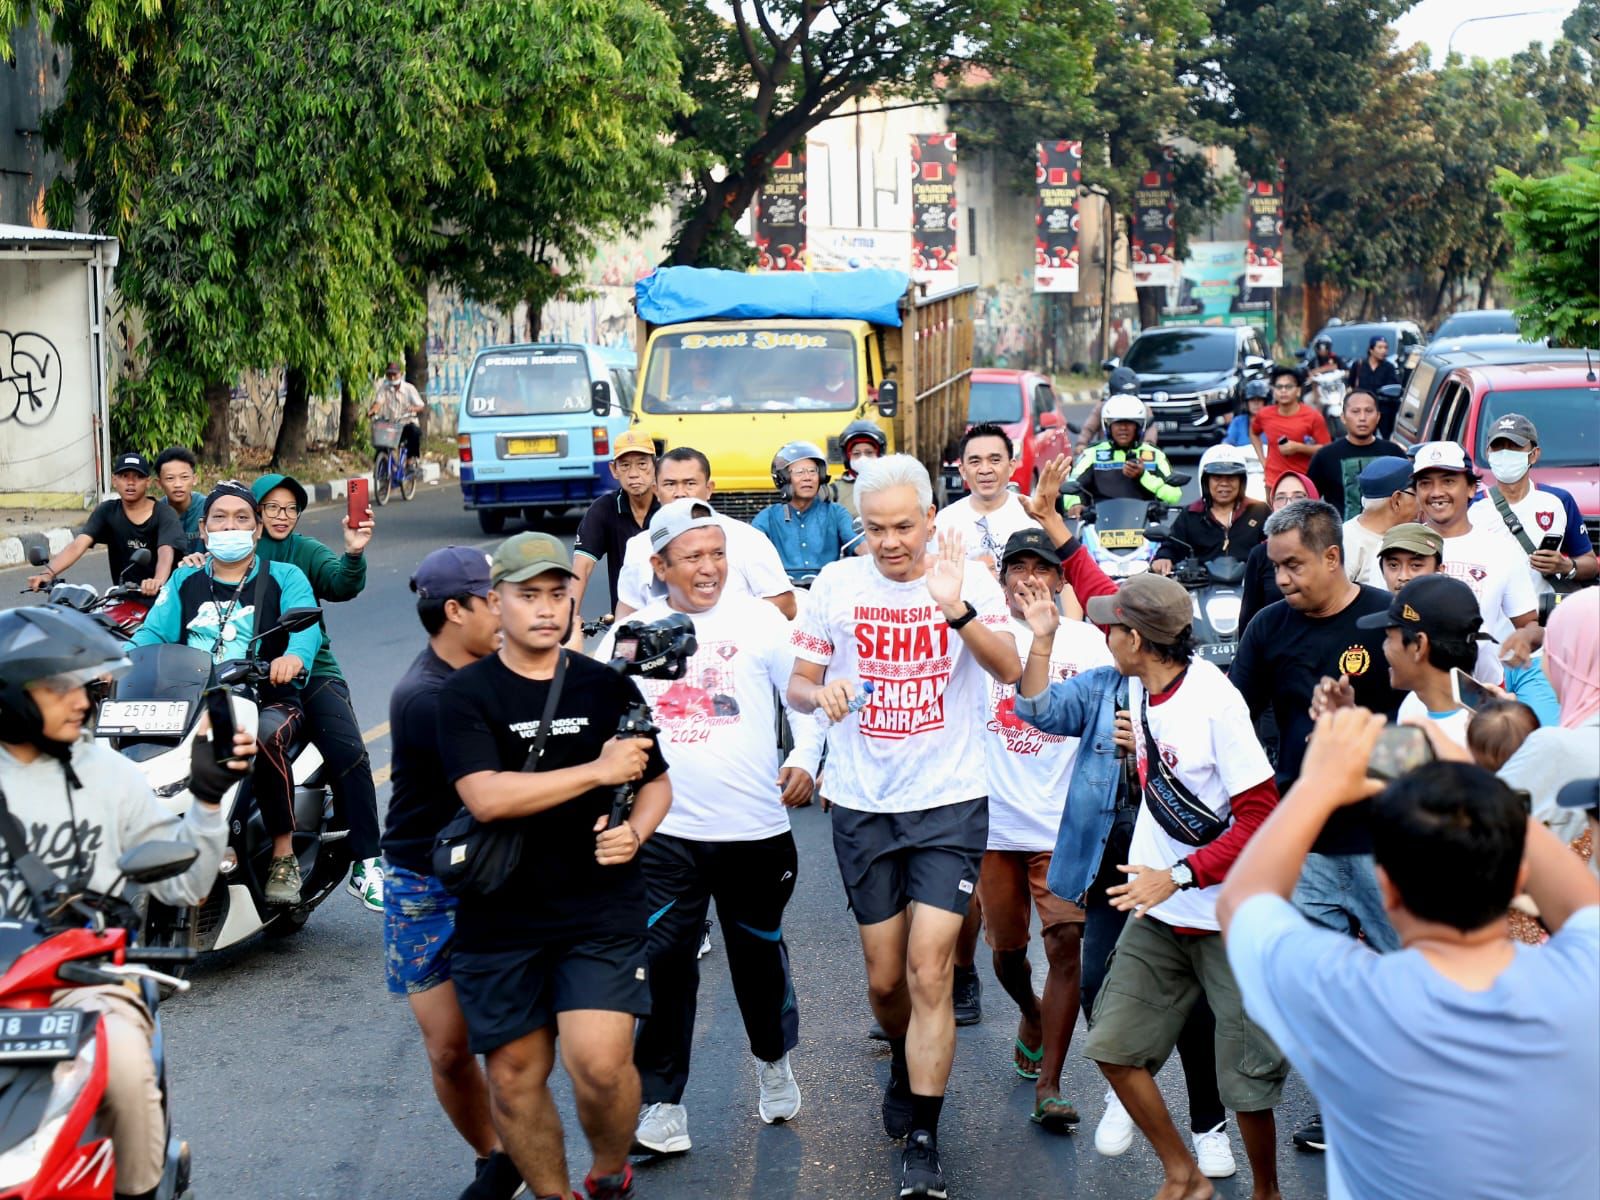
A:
x: 121, y: 607
x: 53, y: 1061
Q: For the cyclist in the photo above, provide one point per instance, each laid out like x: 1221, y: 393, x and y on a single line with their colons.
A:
x: 397, y: 400
x: 807, y: 529
x: 1121, y: 467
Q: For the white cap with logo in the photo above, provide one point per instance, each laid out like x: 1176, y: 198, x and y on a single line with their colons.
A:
x: 679, y: 517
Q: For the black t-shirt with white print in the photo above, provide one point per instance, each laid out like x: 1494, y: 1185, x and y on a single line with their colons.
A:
x: 488, y: 718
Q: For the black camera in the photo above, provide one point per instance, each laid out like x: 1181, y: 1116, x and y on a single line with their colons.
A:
x: 655, y: 650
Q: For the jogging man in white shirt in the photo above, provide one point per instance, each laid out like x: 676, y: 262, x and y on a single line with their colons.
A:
x: 727, y: 834
x: 906, y: 771
x: 754, y: 568
x: 1028, y: 775
x: 990, y: 512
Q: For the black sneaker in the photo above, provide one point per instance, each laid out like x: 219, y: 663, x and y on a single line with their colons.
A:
x: 897, y: 1107
x: 1310, y: 1136
x: 967, y: 991
x: 877, y: 1034
x: 498, y: 1179
x: 920, y: 1173
x: 610, y: 1187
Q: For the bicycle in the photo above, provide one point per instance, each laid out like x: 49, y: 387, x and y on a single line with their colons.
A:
x: 392, y: 462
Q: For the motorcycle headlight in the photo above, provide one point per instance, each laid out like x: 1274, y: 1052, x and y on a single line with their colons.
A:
x: 22, y: 1162
x: 1223, y: 613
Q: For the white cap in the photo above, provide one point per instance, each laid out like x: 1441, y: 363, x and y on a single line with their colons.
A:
x: 680, y: 517
x: 1441, y: 456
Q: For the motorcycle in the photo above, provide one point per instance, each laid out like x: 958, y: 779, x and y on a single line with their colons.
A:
x: 121, y: 608
x: 53, y: 1141
x: 1116, y: 532
x: 152, y: 718
x: 1216, y: 588
x: 1330, y: 391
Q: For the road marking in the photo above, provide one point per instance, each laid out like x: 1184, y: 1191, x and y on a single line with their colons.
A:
x: 377, y: 731
x: 381, y: 776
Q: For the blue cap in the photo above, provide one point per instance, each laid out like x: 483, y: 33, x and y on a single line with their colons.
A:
x: 1383, y: 477
x: 452, y: 571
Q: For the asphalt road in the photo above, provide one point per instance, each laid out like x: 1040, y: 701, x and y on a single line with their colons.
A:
x: 295, y: 1074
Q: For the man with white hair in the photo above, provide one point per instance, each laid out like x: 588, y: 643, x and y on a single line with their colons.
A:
x: 1387, y: 500
x: 906, y: 771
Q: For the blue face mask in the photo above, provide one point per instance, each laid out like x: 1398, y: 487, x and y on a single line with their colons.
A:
x: 231, y: 545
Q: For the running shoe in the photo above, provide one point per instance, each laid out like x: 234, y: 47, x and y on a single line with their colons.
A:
x: 705, y: 941
x: 780, y: 1094
x: 897, y: 1107
x: 1214, y: 1153
x: 1310, y: 1136
x: 283, y: 881
x: 662, y: 1129
x: 967, y: 992
x: 366, y: 882
x: 610, y: 1187
x: 498, y: 1179
x: 1114, y: 1134
x: 920, y: 1172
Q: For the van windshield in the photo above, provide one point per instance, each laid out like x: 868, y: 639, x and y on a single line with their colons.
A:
x: 752, y: 370
x: 523, y: 383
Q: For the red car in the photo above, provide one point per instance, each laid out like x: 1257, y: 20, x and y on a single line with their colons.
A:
x: 1562, y: 399
x: 1024, y: 404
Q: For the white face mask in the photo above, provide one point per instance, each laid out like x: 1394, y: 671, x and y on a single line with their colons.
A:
x: 231, y: 545
x: 1509, y: 466
x: 860, y: 461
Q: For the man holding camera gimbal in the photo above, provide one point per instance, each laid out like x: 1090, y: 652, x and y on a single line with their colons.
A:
x: 727, y: 836
x: 560, y: 947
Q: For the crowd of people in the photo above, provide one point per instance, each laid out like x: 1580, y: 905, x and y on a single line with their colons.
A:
x: 1347, y: 854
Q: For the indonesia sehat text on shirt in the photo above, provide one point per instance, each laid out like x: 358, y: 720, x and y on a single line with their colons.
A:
x: 1437, y: 605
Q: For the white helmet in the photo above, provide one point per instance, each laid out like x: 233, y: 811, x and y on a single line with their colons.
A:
x: 1122, y: 408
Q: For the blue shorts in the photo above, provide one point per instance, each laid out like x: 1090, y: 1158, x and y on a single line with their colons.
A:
x: 419, y: 923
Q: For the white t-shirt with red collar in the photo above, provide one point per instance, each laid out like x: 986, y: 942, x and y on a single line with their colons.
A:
x: 1203, y: 733
x: 1492, y: 564
x: 918, y: 743
x: 1028, y: 768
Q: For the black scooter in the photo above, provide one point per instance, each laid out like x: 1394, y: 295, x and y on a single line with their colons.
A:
x: 1217, y: 588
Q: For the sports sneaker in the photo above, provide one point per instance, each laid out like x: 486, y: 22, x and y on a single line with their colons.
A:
x: 283, y: 881
x: 1310, y: 1136
x: 498, y: 1179
x: 662, y: 1129
x: 366, y: 882
x: 897, y: 1107
x: 1114, y: 1134
x: 1214, y: 1153
x: 920, y: 1173
x: 610, y: 1187
x: 705, y: 941
x: 967, y: 992
x: 780, y: 1094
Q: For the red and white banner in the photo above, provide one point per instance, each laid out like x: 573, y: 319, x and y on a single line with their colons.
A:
x: 1154, y: 228
x: 1055, y: 238
x: 933, y: 205
x: 780, y: 215
x: 1263, y: 214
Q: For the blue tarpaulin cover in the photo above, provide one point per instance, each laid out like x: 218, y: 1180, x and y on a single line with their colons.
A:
x: 674, y: 294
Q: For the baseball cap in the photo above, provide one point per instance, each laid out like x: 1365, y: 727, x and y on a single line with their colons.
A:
x: 632, y: 441
x: 452, y: 571
x: 1383, y: 477
x: 131, y: 461
x: 1030, y: 541
x: 1441, y: 456
x: 677, y: 518
x: 1580, y: 793
x: 1514, y: 427
x: 230, y: 487
x: 394, y: 366
x: 1418, y: 539
x: 527, y: 555
x: 1156, y: 606
x: 1436, y: 605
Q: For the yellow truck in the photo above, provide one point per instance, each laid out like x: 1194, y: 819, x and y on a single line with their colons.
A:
x: 737, y: 365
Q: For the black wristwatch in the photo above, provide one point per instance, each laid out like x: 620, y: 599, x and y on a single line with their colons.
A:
x: 965, y: 618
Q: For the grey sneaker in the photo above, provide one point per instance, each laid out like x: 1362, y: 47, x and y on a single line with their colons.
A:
x: 283, y: 881
x: 662, y: 1129
x: 780, y: 1094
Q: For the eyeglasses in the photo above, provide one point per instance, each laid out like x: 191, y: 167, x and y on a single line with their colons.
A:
x: 280, y: 510
x: 1286, y: 387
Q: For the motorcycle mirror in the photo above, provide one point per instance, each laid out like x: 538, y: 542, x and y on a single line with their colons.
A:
x: 1390, y: 391
x: 295, y: 619
x: 600, y: 398
x: 1156, y: 532
x: 888, y: 398
x: 139, y: 558
x: 152, y: 862
x: 1111, y: 364
x: 38, y: 556
x: 1179, y: 478
x: 1072, y: 487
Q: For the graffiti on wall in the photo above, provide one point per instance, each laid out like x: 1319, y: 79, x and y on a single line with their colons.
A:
x: 1007, y: 327
x: 30, y: 378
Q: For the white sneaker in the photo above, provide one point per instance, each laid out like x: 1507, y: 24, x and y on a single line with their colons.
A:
x: 1114, y: 1134
x: 705, y: 941
x: 366, y: 882
x: 1214, y: 1153
x: 780, y: 1094
x: 662, y: 1129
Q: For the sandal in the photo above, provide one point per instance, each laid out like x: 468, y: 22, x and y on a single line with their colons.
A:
x: 1055, y: 1113
x: 1034, y: 1057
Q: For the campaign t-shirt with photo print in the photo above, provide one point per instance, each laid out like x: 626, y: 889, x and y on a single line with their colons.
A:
x: 918, y: 742
x: 986, y: 534
x: 1029, y: 768
x: 1544, y: 513
x: 488, y: 718
x: 719, y: 722
x: 754, y: 568
x: 1203, y: 734
x: 1492, y: 564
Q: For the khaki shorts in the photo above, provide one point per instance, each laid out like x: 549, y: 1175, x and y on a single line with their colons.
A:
x: 1153, y: 980
x: 1008, y: 880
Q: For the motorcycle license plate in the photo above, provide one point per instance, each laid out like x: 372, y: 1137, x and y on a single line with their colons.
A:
x: 121, y: 718
x: 531, y: 445
x: 40, y: 1035
x: 1218, y: 650
x: 1122, y: 539
x: 1167, y: 426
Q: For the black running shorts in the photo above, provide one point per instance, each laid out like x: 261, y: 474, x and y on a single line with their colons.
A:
x: 932, y: 856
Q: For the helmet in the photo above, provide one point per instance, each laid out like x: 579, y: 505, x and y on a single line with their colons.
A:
x: 1257, y: 389
x: 861, y: 431
x: 1322, y: 340
x: 1123, y: 381
x: 791, y: 453
x: 48, y: 642
x: 1122, y: 408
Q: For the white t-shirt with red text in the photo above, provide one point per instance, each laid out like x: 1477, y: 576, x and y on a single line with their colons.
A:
x: 1492, y: 564
x: 918, y: 743
x: 1028, y: 768
x: 1204, y: 735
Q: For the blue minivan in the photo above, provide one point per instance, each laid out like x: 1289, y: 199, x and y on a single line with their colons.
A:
x: 535, y: 428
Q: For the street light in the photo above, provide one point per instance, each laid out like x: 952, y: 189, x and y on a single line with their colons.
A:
x: 1532, y: 12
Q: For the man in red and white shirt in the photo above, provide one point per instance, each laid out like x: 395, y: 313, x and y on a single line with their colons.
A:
x: 1028, y: 774
x: 906, y: 772
x: 1206, y: 786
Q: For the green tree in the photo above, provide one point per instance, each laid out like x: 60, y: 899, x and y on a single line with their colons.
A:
x: 1554, y: 223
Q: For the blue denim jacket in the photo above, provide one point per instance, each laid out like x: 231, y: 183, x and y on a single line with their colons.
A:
x: 1084, y: 707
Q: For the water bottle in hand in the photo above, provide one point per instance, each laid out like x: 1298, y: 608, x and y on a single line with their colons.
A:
x: 859, y: 700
